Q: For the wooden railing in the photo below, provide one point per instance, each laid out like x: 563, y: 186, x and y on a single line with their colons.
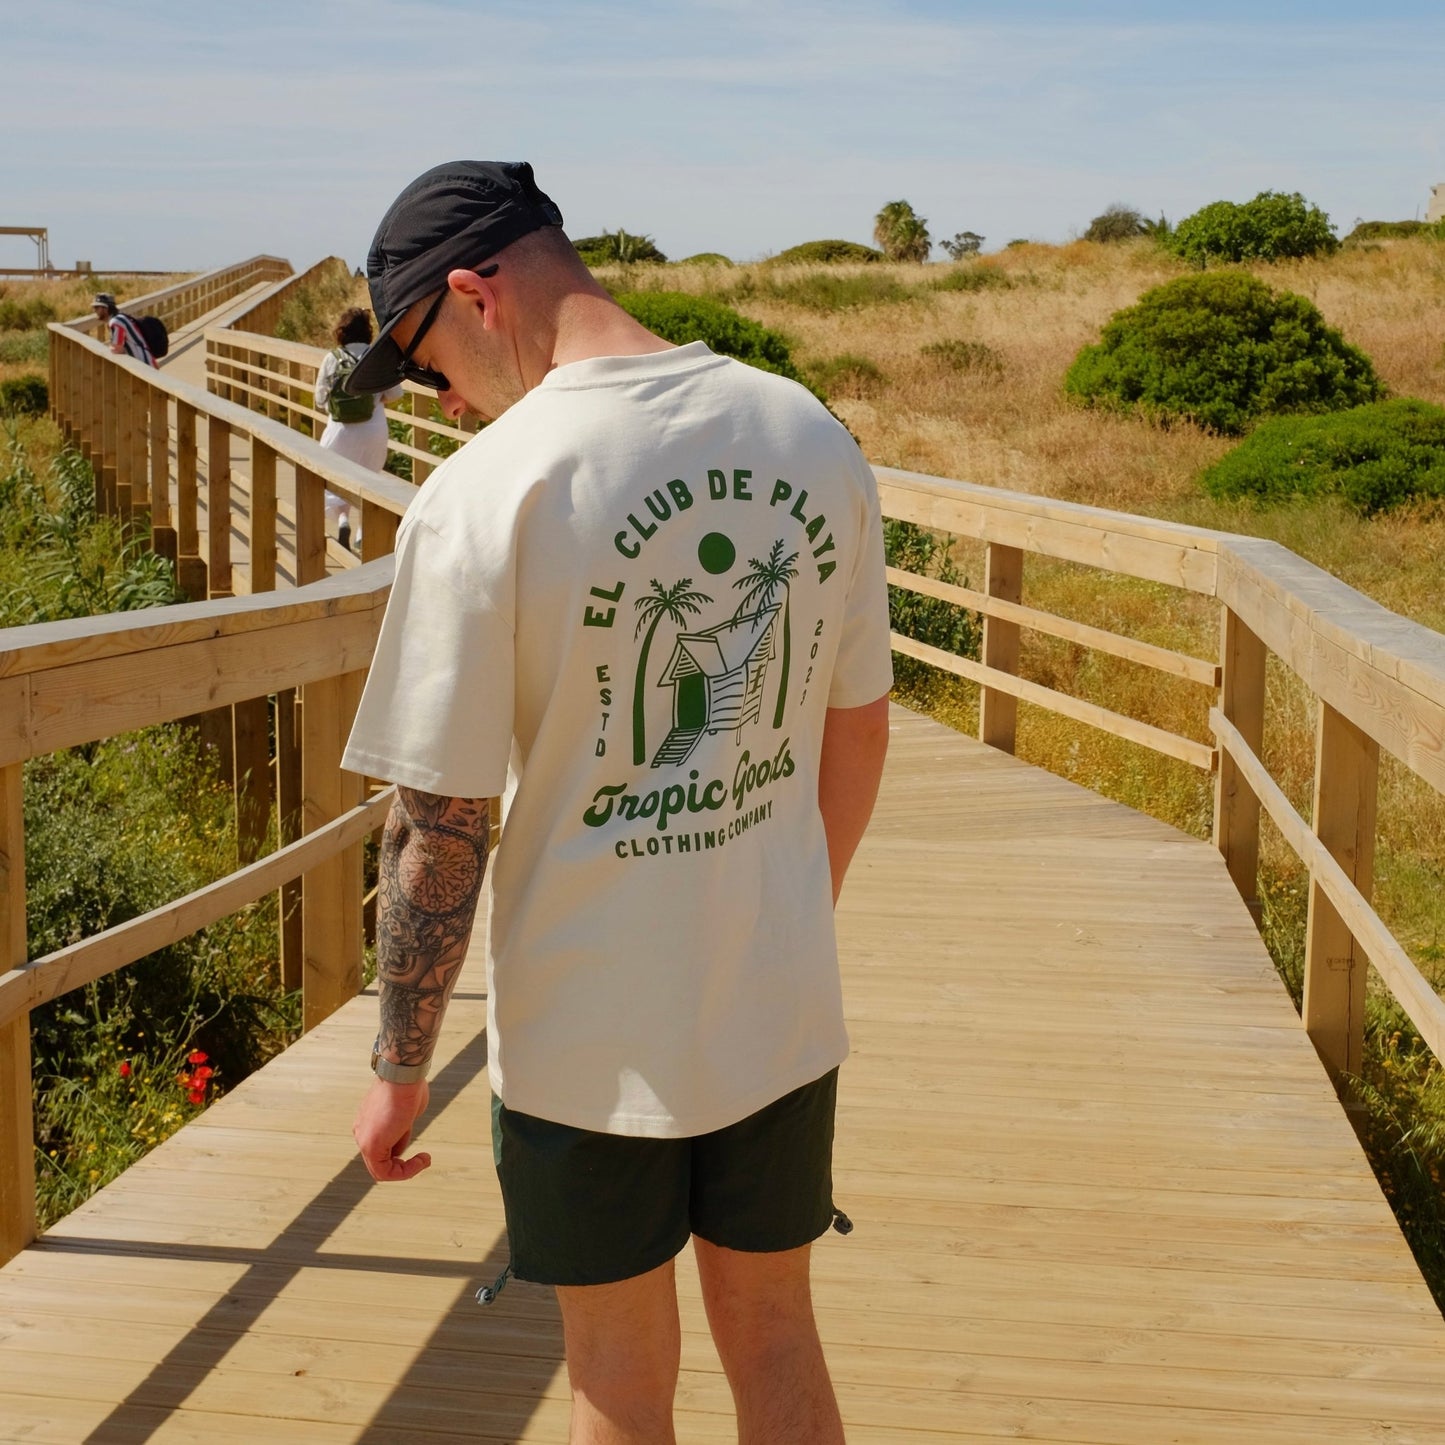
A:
x: 1379, y: 679
x: 187, y: 301
x: 278, y: 378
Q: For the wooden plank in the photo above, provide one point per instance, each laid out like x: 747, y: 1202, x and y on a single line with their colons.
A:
x: 1347, y: 765
x: 17, y: 1127
x: 310, y: 526
x: 263, y: 517
x: 1170, y: 744
x: 998, y: 709
x: 331, y: 891
x: 288, y: 829
x: 1236, y: 809
x: 31, y: 984
x: 1162, y: 659
x: 251, y: 720
x: 218, y: 507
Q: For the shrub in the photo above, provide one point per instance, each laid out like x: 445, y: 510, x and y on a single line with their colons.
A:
x: 1117, y: 223
x: 1271, y: 227
x: 25, y: 315
x: 612, y: 247
x: 1374, y: 456
x: 929, y: 620
x: 705, y: 258
x: 846, y: 375
x: 27, y: 395
x: 973, y: 277
x: 677, y: 317
x: 310, y: 310
x: 963, y: 245
x: 1221, y: 350
x: 1391, y: 230
x: 828, y: 291
x: 826, y: 253
x: 18, y: 348
x: 901, y: 233
x: 976, y: 356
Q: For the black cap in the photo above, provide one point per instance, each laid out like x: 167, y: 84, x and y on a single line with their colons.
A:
x: 457, y: 214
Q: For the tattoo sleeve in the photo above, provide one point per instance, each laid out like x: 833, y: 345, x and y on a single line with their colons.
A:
x: 433, y: 857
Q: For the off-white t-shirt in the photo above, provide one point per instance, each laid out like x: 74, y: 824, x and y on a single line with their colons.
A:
x: 642, y: 587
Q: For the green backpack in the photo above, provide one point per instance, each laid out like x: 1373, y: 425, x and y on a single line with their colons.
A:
x: 341, y: 405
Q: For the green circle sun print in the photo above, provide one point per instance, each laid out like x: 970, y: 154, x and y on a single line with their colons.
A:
x: 716, y: 553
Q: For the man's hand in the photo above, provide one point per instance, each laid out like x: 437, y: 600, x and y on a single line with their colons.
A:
x: 383, y: 1129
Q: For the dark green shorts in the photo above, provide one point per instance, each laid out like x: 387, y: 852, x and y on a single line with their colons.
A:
x: 587, y: 1208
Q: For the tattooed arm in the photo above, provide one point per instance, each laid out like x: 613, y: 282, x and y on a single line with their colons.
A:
x: 433, y: 856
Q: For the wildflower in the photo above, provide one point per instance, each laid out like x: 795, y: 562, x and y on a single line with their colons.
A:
x: 197, y: 1096
x: 125, y: 1068
x: 203, y: 1072
x: 197, y: 1056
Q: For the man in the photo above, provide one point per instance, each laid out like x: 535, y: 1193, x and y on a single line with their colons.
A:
x: 653, y: 585
x: 126, y: 338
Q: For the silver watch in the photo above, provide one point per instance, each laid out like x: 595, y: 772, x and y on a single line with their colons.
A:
x: 396, y: 1073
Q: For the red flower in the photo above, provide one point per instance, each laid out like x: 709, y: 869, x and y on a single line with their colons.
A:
x: 196, y: 1056
x: 125, y: 1068
x: 202, y: 1073
x: 197, y: 1096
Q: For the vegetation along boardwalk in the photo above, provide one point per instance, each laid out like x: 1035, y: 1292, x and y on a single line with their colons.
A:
x: 1102, y: 1188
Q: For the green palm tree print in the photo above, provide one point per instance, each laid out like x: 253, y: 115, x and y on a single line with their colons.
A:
x: 671, y: 602
x: 760, y: 584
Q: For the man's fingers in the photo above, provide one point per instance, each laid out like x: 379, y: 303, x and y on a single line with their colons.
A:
x: 393, y: 1166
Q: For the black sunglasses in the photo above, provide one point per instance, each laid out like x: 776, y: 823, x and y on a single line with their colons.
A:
x: 424, y: 375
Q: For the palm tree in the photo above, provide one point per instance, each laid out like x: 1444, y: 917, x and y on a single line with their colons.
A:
x: 672, y: 602
x: 760, y: 583
x: 901, y: 233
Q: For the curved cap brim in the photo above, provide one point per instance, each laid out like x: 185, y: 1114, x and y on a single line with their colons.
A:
x: 379, y: 368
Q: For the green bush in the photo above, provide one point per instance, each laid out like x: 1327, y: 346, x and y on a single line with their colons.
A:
x: 1391, y: 230
x: 618, y: 247
x: 680, y: 318
x: 929, y: 620
x: 17, y: 348
x: 970, y: 276
x: 846, y: 375
x: 310, y: 312
x: 828, y: 291
x: 25, y: 315
x: 1117, y: 223
x: 1271, y: 227
x: 975, y: 356
x: 1221, y: 350
x: 1374, y: 456
x: 27, y: 395
x: 825, y: 253
x: 705, y: 258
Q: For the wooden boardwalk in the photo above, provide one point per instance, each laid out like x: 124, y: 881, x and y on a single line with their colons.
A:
x: 1103, y: 1192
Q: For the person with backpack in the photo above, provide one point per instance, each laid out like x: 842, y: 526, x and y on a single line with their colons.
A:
x: 129, y: 336
x: 356, y: 426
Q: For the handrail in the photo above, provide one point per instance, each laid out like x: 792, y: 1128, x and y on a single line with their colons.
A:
x: 187, y: 300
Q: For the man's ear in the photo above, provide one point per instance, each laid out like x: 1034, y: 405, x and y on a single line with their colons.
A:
x: 476, y: 291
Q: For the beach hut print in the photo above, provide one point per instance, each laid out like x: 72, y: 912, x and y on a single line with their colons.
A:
x: 717, y: 678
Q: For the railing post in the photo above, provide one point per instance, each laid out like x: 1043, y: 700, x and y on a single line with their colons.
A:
x: 420, y: 410
x: 251, y: 748
x: 1236, y: 809
x: 137, y: 397
x: 998, y: 711
x: 331, y: 892
x: 310, y: 527
x: 190, y: 566
x: 288, y: 829
x: 1347, y: 762
x: 17, y: 1122
x: 218, y: 506
x: 163, y: 533
x: 105, y: 473
x: 378, y: 530
x: 263, y: 517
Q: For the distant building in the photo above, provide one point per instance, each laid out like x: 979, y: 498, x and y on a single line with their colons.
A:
x: 1437, y: 203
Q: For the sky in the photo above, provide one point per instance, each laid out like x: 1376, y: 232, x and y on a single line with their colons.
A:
x: 165, y: 135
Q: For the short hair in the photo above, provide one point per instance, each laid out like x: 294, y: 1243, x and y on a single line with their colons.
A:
x: 354, y: 324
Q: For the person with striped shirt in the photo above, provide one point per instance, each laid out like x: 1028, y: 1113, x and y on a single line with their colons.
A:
x: 126, y: 338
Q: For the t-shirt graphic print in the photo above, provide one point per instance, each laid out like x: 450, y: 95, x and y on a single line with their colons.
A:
x: 642, y: 587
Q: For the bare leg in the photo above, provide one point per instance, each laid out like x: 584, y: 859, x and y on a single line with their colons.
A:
x: 760, y: 1308
x: 623, y: 1346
